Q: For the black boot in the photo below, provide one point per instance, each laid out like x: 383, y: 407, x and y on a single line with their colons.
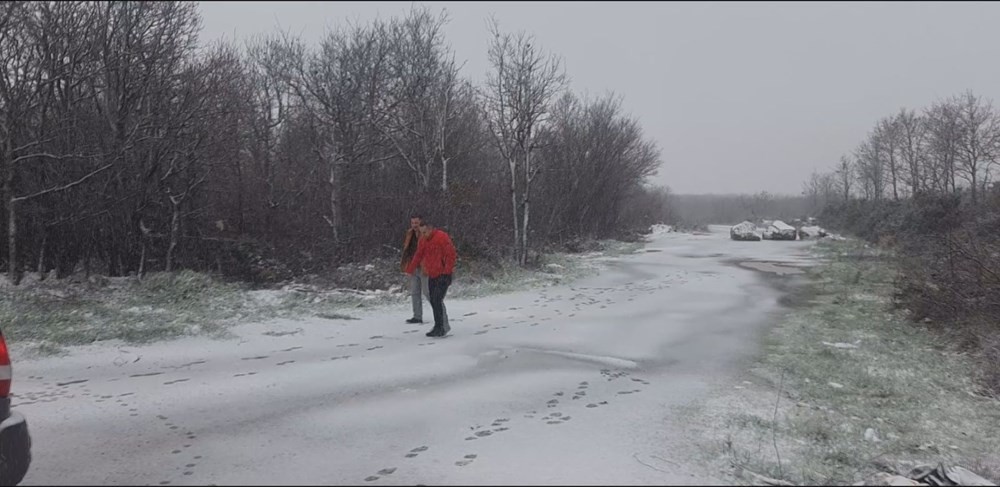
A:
x: 437, y: 331
x: 414, y: 320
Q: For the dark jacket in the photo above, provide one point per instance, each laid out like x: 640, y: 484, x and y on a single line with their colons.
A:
x: 436, y: 254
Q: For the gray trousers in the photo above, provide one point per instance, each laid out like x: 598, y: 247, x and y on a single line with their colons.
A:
x: 418, y: 287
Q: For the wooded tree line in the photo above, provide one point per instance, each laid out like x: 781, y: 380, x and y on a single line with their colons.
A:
x: 128, y: 147
x: 698, y: 210
x: 922, y: 184
x: 951, y: 147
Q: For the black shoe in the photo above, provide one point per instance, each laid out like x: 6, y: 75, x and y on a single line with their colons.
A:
x: 414, y: 320
x: 436, y: 332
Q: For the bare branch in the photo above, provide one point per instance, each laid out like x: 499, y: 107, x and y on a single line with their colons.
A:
x: 65, y: 186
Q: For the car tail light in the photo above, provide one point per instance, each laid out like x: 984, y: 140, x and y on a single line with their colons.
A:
x: 5, y: 370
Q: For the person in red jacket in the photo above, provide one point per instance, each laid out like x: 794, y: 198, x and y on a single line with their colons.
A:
x: 436, y: 255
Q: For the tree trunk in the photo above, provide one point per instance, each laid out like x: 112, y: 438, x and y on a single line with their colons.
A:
x: 241, y: 220
x: 12, y: 269
x: 41, y: 256
x: 175, y: 227
x: 525, y: 207
x: 444, y: 174
x: 524, y: 231
x: 892, y: 170
x: 142, y: 261
x: 335, y: 210
x: 974, y: 187
x: 513, y: 203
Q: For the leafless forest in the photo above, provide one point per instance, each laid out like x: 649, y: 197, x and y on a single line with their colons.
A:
x: 921, y: 184
x: 129, y: 147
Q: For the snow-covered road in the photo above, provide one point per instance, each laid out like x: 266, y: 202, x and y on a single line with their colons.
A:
x: 571, y: 384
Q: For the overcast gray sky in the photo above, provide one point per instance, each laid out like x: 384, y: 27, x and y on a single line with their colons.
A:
x: 741, y: 97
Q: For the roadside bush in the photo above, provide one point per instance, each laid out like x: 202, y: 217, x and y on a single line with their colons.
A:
x: 949, y: 264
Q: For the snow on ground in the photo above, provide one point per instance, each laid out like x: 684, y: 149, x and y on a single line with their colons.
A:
x: 659, y: 230
x: 570, y: 384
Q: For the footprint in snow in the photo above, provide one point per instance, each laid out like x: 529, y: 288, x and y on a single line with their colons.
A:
x: 467, y: 460
x: 416, y: 451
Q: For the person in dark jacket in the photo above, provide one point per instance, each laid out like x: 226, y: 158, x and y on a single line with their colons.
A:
x: 418, y: 279
x: 436, y: 255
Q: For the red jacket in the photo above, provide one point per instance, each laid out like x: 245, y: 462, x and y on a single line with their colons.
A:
x: 436, y: 253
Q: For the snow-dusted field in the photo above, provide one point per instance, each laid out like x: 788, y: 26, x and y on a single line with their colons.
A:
x: 569, y: 384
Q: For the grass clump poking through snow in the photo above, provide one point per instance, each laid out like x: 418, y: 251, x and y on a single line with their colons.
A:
x: 475, y: 279
x: 862, y: 389
x: 51, y: 314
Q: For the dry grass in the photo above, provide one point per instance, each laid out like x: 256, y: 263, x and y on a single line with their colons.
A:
x: 42, y: 317
x: 919, y: 399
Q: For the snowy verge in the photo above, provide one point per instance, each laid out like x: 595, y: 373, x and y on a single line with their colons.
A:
x: 847, y: 387
x: 41, y: 316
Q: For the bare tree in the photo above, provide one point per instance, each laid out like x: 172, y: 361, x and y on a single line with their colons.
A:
x: 595, y: 159
x: 43, y: 53
x: 125, y: 145
x: 979, y: 145
x: 272, y: 104
x: 887, y: 140
x: 519, y: 89
x: 845, y: 176
x: 943, y: 139
x: 913, y: 139
x: 871, y: 168
x: 819, y: 189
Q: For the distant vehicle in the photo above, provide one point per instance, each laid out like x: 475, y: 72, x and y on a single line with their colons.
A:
x: 15, y: 442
